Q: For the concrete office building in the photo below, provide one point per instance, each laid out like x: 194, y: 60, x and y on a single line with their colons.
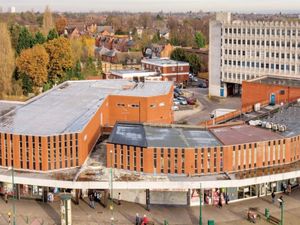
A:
x: 59, y: 128
x: 243, y: 50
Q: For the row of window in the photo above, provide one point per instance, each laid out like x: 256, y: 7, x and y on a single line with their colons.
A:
x: 263, y: 31
x: 69, y: 149
x: 158, y: 69
x: 262, y: 43
x: 199, y: 165
x: 259, y: 65
x: 125, y: 154
x: 122, y: 105
x: 239, y: 162
x: 262, y: 54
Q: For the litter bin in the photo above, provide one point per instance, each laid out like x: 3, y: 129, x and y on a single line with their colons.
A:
x: 210, y: 222
x: 267, y: 213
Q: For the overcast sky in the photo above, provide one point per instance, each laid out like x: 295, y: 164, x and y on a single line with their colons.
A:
x: 155, y: 5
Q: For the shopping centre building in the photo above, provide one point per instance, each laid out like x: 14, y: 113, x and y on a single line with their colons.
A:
x: 59, y: 128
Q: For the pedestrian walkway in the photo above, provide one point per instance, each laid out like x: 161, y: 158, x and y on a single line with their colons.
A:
x: 35, y: 213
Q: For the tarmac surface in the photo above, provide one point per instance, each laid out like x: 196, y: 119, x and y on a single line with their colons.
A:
x: 36, y: 213
x: 207, y: 105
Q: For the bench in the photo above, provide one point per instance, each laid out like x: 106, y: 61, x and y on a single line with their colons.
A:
x: 274, y: 220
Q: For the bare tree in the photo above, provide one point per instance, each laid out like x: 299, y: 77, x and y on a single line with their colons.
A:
x: 7, y: 62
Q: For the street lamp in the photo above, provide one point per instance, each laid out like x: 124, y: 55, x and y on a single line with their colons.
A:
x: 111, y: 188
x: 13, y: 189
x: 280, y: 200
x: 200, y: 199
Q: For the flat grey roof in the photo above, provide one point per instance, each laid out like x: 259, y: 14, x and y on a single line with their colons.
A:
x: 67, y: 108
x: 155, y: 136
x: 7, y: 106
x: 165, y: 62
x: 289, y: 116
x: 283, y: 81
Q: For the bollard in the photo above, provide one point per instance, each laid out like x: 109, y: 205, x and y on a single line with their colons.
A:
x: 267, y: 213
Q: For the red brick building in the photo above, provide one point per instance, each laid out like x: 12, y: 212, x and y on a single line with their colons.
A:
x: 59, y: 128
x: 170, y: 70
x: 259, y: 90
x: 194, y: 151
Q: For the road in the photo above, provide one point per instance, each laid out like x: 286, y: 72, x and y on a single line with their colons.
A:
x: 208, y: 105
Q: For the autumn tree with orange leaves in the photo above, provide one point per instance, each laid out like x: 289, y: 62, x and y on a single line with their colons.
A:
x: 60, y: 55
x: 33, y: 62
x: 61, y: 24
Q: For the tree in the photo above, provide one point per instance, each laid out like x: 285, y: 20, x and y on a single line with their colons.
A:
x: 25, y: 40
x: 77, y: 50
x: 33, y: 62
x: 89, y: 68
x: 61, y: 24
x: 47, y: 21
x: 39, y: 38
x: 195, y: 63
x: 7, y: 62
x: 52, y: 34
x: 88, y: 44
x: 179, y: 55
x: 145, y: 20
x: 200, y: 40
x: 14, y: 34
x: 60, y: 55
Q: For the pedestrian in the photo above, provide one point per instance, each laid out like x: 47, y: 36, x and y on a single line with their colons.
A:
x: 289, y: 189
x: 273, y: 197
x: 220, y: 204
x: 137, y: 219
x: 284, y: 187
x: 5, y: 197
x: 93, y: 200
x: 90, y: 200
x: 145, y: 220
x: 226, y: 198
x: 119, y: 198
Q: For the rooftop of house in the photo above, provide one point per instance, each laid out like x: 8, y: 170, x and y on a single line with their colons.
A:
x: 143, y: 135
x: 282, y: 81
x: 67, y: 108
x: 164, y: 62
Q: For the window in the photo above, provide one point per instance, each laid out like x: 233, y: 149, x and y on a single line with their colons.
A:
x: 182, y: 161
x: 152, y: 105
x: 128, y: 158
x: 135, y: 106
x: 121, y: 105
x: 49, y: 153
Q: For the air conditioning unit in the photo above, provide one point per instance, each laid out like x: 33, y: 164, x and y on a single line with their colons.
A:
x: 257, y: 107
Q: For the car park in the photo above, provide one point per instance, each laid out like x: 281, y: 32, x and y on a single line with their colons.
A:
x: 182, y: 100
x: 191, y: 100
x: 178, y: 91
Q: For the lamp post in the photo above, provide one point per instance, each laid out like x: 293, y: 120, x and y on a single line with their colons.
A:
x: 200, y: 209
x: 281, y: 207
x: 111, y: 188
x: 13, y: 189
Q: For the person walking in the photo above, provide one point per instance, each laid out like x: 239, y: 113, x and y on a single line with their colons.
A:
x: 226, y: 199
x: 273, y: 197
x: 137, y: 219
x: 145, y: 220
x: 220, y: 204
x: 119, y: 198
x: 93, y: 200
x: 5, y: 197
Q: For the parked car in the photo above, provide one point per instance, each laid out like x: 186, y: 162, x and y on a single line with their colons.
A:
x: 191, y: 100
x: 176, y: 101
x: 182, y: 100
x: 175, y: 108
x: 202, y: 84
x: 176, y: 95
x: 178, y: 91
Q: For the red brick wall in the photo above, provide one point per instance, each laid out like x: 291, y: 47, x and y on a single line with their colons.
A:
x: 253, y: 93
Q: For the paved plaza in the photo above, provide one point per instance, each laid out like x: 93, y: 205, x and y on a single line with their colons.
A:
x: 37, y: 213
